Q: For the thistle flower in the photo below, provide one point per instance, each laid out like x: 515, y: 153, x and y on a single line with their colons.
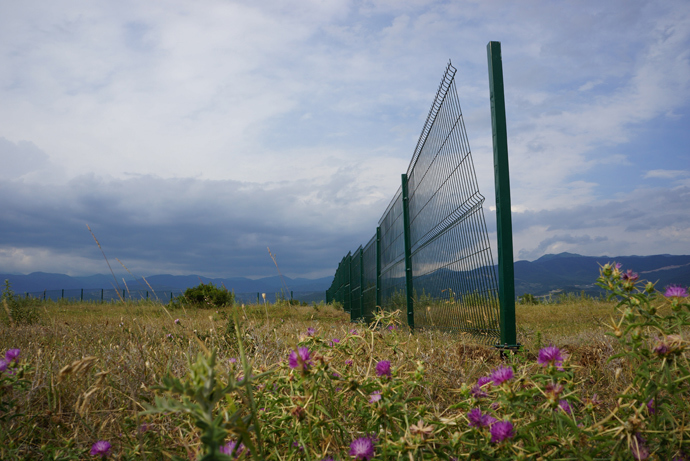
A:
x: 349, y: 362
x: 3, y: 365
x: 565, y: 406
x: 477, y: 419
x: 232, y: 448
x: 362, y: 448
x: 100, y: 448
x: 374, y: 396
x: 300, y: 359
x: 12, y: 355
x: 630, y: 276
x: 502, y: 374
x: 551, y: 355
x: 310, y: 331
x: 383, y: 368
x: 638, y: 446
x: 501, y: 430
x: 477, y: 390
x: 675, y: 291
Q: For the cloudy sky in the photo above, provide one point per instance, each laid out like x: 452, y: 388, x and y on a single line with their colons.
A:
x: 190, y: 136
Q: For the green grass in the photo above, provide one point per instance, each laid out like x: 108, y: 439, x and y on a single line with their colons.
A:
x: 96, y: 365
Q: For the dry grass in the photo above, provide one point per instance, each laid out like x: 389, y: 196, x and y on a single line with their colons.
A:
x: 96, y: 364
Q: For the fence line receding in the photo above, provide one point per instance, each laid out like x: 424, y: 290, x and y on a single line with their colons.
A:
x: 430, y: 256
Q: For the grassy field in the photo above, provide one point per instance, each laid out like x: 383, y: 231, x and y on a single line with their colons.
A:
x: 95, y: 367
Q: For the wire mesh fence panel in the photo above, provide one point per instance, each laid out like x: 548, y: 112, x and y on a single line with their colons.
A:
x: 453, y: 273
x: 356, y: 285
x: 393, y: 255
x: 369, y: 280
x: 454, y: 281
x: 339, y: 292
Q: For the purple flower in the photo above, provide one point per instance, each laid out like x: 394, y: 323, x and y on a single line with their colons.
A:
x: 650, y: 406
x: 501, y: 430
x: 565, y: 406
x: 676, y: 292
x: 630, y: 275
x: 101, y: 448
x: 362, y: 448
x: 391, y: 327
x: 477, y: 419
x: 353, y: 331
x: 12, y: 355
x: 617, y: 265
x: 177, y: 321
x: 300, y: 359
x: 228, y: 448
x: 662, y: 349
x: 550, y: 355
x: 638, y: 446
x: 349, y: 362
x: 334, y: 341
x: 374, y: 396
x: 477, y: 390
x: 310, y: 331
x: 501, y: 374
x: 383, y: 368
x: 297, y: 446
x: 3, y: 364
x: 233, y: 360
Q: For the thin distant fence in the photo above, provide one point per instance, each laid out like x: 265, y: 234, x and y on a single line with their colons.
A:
x: 110, y: 295
x: 430, y: 255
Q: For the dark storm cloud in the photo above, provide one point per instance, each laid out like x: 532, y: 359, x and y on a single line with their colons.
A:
x: 189, y: 225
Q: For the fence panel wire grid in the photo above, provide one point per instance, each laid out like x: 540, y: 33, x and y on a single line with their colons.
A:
x: 453, y: 275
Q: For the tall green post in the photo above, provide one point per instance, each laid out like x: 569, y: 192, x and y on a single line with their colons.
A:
x: 378, y: 267
x: 408, y: 253
x: 360, y: 316
x: 504, y: 227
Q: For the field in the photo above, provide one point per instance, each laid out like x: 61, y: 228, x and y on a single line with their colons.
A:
x: 90, y: 370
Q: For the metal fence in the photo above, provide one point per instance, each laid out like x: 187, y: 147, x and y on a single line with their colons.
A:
x: 430, y: 256
x: 163, y: 295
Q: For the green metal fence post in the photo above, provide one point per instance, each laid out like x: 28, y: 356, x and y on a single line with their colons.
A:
x: 101, y: 294
x: 81, y: 297
x: 63, y: 294
x: 361, y: 283
x: 378, y: 267
x: 349, y: 282
x: 408, y: 254
x: 506, y: 276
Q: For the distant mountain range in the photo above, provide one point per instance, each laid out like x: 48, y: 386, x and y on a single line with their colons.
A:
x: 564, y: 272
x: 40, y: 281
x: 567, y: 272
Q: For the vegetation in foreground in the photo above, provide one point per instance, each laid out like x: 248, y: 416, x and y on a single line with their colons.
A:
x: 142, y: 381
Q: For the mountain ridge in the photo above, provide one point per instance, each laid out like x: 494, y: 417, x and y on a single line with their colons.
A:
x: 564, y: 272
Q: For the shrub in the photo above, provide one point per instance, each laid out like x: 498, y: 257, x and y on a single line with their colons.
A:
x: 19, y: 310
x: 208, y: 296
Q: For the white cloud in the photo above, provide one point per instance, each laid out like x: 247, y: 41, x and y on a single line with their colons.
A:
x: 317, y: 106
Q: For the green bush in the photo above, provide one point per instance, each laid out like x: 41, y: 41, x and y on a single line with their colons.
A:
x: 19, y: 310
x: 208, y: 296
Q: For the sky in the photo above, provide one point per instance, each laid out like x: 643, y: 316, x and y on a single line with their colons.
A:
x: 192, y: 136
